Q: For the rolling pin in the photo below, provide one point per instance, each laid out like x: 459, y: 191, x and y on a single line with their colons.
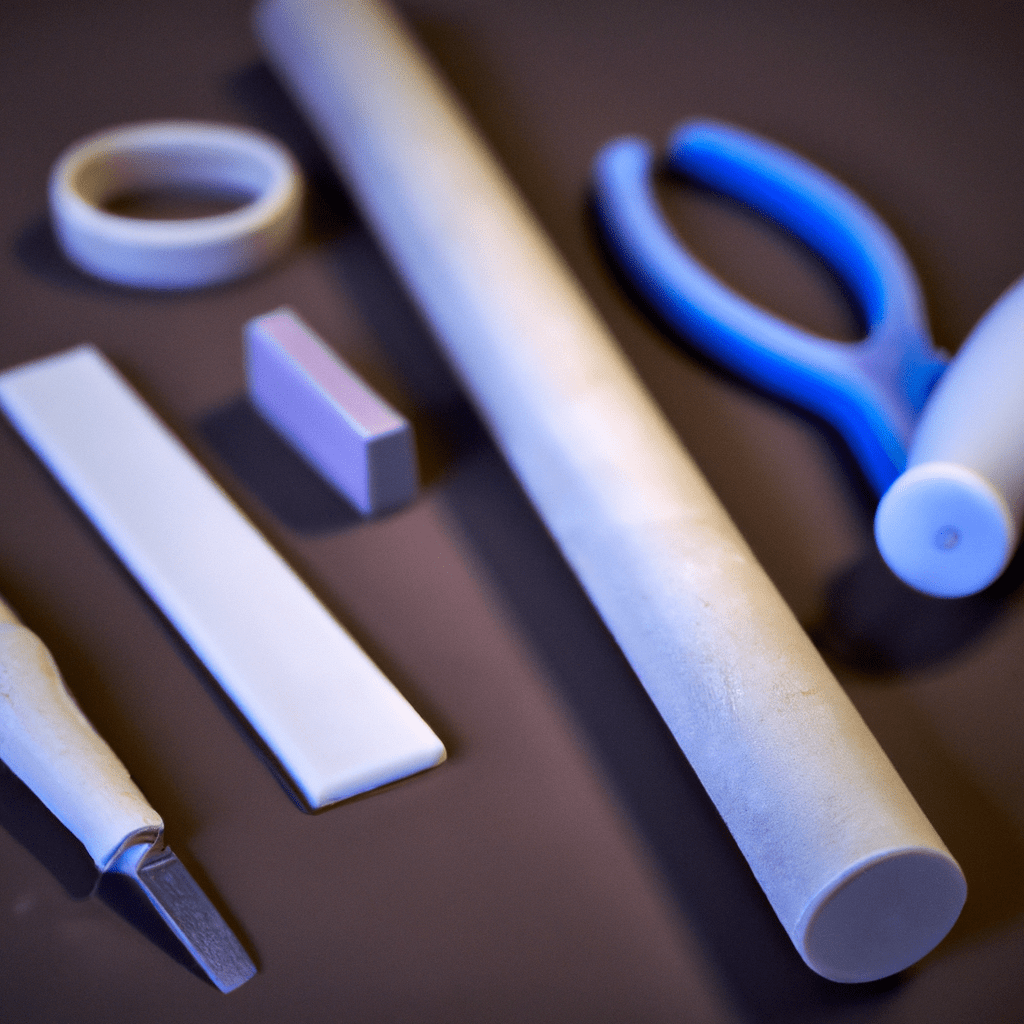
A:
x: 854, y: 870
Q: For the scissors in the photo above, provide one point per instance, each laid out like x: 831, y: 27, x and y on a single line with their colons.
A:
x: 872, y: 391
x: 942, y: 442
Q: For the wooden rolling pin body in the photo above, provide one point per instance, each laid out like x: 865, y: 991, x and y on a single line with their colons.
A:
x: 854, y: 870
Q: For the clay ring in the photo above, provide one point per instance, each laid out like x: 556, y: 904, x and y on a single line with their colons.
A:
x: 168, y: 155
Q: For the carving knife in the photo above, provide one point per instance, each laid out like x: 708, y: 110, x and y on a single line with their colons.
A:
x: 51, y: 746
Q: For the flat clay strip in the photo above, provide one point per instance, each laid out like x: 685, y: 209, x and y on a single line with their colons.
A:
x: 327, y: 713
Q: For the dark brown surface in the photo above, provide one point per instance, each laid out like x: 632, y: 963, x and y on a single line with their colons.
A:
x: 564, y: 864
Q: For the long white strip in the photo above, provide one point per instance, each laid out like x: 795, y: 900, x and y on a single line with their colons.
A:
x: 326, y: 712
x: 851, y: 865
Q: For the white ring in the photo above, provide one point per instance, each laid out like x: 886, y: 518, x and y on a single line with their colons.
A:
x: 165, y: 155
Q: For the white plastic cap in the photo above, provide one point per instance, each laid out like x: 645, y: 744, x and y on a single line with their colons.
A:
x: 945, y: 530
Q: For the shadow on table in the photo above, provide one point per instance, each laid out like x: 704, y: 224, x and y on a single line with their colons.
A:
x: 879, y: 625
x: 37, y: 829
x: 300, y: 498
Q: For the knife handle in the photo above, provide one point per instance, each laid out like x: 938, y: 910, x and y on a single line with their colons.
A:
x: 52, y: 747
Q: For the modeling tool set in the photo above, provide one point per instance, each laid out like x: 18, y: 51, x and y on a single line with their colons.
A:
x: 855, y: 872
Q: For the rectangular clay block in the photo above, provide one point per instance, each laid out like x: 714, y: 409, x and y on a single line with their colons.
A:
x: 356, y: 441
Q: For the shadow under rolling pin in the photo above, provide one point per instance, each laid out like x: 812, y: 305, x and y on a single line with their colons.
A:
x: 854, y: 870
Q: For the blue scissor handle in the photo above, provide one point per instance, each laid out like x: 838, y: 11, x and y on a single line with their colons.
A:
x: 873, y: 390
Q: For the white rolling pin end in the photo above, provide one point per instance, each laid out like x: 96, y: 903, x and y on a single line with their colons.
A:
x: 882, y: 916
x: 945, y: 530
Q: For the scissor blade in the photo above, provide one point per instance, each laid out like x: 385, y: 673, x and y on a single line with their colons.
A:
x: 188, y: 912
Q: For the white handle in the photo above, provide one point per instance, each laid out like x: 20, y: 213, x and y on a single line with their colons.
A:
x: 950, y: 524
x: 850, y: 863
x: 50, y: 745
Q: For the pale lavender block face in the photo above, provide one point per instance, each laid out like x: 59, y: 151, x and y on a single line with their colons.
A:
x: 329, y: 415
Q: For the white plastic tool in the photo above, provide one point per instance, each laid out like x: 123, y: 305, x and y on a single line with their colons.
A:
x: 325, y: 711
x: 51, y: 746
x: 950, y: 524
x: 854, y: 870
x: 334, y: 420
x: 160, y: 156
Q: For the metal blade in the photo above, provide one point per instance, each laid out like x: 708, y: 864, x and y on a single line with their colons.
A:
x: 188, y: 912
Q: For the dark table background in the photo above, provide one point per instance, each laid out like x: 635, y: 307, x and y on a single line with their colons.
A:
x: 564, y: 864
